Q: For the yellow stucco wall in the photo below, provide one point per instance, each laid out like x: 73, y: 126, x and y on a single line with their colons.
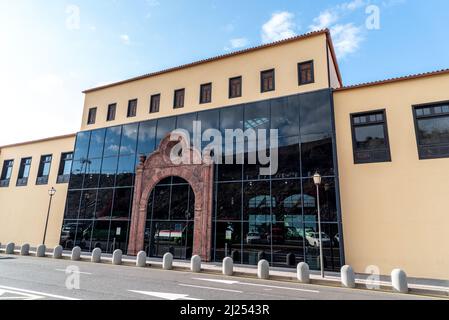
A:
x: 282, y: 57
x: 395, y: 214
x: 23, y: 210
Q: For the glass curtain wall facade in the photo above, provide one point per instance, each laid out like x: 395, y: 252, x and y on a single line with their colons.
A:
x: 272, y: 217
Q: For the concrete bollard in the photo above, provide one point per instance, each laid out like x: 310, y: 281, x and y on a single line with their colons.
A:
x: 263, y: 269
x: 303, y: 272
x: 76, y: 254
x: 228, y: 266
x: 399, y: 281
x: 10, y: 248
x: 167, y: 261
x: 117, y: 257
x: 40, y: 251
x: 195, y: 264
x: 57, y: 252
x: 347, y: 277
x: 25, y: 250
x: 141, y: 260
x: 96, y: 255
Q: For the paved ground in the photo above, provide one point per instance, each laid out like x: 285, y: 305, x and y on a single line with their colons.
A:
x: 30, y: 278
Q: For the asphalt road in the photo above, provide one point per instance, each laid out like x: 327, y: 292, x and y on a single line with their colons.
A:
x: 30, y: 278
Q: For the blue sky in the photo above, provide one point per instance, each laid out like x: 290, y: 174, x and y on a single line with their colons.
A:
x: 52, y: 50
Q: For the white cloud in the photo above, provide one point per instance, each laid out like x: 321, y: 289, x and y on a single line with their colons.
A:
x: 353, y: 5
x: 279, y: 27
x: 324, y: 20
x: 239, y: 43
x: 346, y: 38
x: 73, y: 18
x: 124, y: 38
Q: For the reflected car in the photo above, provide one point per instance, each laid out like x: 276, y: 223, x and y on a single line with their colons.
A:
x: 313, y: 238
x: 169, y: 235
x: 253, y: 237
x: 276, y: 236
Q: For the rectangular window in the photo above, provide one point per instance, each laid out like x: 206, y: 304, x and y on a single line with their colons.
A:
x: 155, y: 103
x: 370, y: 137
x: 92, y: 116
x: 44, y: 170
x: 306, y: 73
x: 432, y: 130
x: 112, y: 109
x: 24, y: 172
x: 206, y: 93
x: 235, y: 87
x: 132, y: 108
x: 267, y: 81
x: 179, y: 99
x: 6, y: 173
x: 65, y: 166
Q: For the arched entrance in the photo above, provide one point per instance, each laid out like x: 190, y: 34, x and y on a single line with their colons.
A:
x: 197, y: 172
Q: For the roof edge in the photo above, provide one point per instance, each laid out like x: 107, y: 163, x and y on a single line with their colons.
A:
x: 330, y: 43
x: 220, y: 57
x: 394, y: 80
x: 38, y: 141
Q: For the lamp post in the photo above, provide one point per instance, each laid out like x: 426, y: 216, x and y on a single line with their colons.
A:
x: 51, y: 193
x: 317, y: 180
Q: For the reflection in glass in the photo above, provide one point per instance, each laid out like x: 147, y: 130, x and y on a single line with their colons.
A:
x: 118, y: 235
x: 164, y: 127
x: 68, y: 234
x: 122, y: 204
x: 228, y: 241
x: 327, y: 200
x: 229, y: 203
x: 112, y: 141
x: 82, y: 145
x: 92, y: 176
x: 104, y: 204
x: 257, y: 115
x: 285, y: 116
x: 96, y: 144
x: 108, y: 171
x: 83, y: 234
x: 88, y: 203
x: 288, y: 158
x: 316, y: 113
x: 317, y: 155
x: 100, y: 235
x: 126, y: 170
x: 129, y: 139
x: 72, y: 205
x: 77, y: 176
x: 147, y: 138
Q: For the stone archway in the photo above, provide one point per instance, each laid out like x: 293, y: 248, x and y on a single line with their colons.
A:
x: 198, y: 173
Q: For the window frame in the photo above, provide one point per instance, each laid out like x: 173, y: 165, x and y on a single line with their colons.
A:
x: 301, y: 64
x: 202, y: 93
x: 4, y: 182
x: 262, y: 89
x: 175, y: 106
x: 129, y: 114
x: 152, y: 99
x: 432, y: 116
x: 240, y: 78
x: 386, y: 134
x: 23, y: 181
x: 92, y: 116
x: 64, y: 178
x: 109, y: 117
x: 41, y: 179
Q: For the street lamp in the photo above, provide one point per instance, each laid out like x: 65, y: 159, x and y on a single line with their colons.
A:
x: 51, y: 193
x: 317, y: 180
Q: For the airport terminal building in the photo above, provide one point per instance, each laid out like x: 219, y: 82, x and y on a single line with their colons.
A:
x: 381, y: 148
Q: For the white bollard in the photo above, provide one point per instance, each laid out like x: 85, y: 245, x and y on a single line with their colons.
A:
x: 76, y: 254
x: 141, y: 260
x: 40, y: 251
x: 96, y: 255
x: 195, y: 264
x: 25, y: 250
x: 57, y: 252
x: 347, y: 277
x: 303, y: 272
x: 399, y: 281
x: 228, y: 266
x: 10, y: 248
x: 167, y: 262
x: 117, y: 257
x: 263, y: 269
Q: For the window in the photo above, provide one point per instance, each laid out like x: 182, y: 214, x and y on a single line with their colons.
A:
x: 132, y: 108
x: 235, y: 87
x: 64, y: 167
x: 206, y: 93
x: 112, y: 108
x: 155, y: 103
x: 44, y: 170
x: 267, y: 80
x: 370, y: 137
x: 179, y: 99
x: 432, y: 130
x: 24, y: 172
x: 92, y: 116
x: 6, y: 173
x: 306, y: 73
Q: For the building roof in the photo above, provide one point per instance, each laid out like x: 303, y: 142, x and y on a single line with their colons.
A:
x: 392, y: 80
x: 232, y: 54
x: 38, y: 141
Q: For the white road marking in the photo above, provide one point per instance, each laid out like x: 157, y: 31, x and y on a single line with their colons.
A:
x: 210, y: 288
x: 257, y: 285
x: 166, y: 296
x: 17, y: 295
x: 77, y: 272
x: 49, y: 295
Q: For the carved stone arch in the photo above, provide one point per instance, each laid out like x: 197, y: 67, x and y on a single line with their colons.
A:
x: 197, y: 172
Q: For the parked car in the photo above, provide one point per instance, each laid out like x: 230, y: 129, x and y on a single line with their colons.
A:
x: 252, y: 237
x: 313, y: 238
